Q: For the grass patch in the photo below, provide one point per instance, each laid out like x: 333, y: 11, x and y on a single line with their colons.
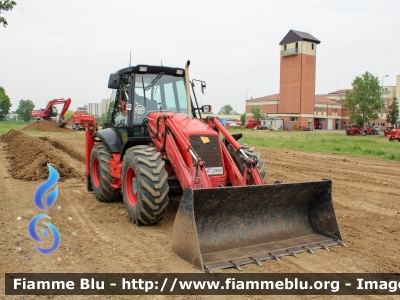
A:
x: 377, y: 146
x: 6, y: 126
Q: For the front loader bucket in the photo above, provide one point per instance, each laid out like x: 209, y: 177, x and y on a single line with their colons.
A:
x: 230, y: 226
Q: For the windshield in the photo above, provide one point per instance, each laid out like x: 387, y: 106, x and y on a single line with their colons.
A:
x: 158, y: 92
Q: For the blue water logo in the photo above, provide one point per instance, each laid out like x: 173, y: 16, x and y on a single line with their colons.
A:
x: 45, y: 205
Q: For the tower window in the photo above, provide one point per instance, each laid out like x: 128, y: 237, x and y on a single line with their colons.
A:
x: 284, y: 47
x: 312, y: 46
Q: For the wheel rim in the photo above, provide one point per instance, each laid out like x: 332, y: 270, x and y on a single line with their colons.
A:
x: 131, y: 186
x: 96, y: 172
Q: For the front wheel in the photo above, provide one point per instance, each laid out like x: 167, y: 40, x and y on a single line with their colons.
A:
x: 144, y: 185
x: 240, y: 160
x: 100, y: 174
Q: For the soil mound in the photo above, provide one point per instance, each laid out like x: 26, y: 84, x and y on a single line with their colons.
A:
x: 66, y: 148
x: 29, y: 157
x: 47, y: 126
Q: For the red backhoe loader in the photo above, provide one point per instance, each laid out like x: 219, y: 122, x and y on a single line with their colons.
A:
x: 155, y: 140
x: 50, y: 112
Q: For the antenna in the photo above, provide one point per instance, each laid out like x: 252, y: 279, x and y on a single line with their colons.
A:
x: 161, y: 62
x: 130, y: 55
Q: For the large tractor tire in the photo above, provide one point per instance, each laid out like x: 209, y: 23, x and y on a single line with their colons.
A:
x: 144, y: 185
x: 240, y: 161
x: 100, y: 174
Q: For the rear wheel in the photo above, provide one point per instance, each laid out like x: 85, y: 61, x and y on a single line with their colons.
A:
x: 240, y: 160
x: 144, y: 185
x: 100, y: 174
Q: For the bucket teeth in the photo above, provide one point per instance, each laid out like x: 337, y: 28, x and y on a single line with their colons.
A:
x: 274, y: 256
x: 292, y: 253
x: 309, y: 250
x: 324, y: 246
x: 257, y: 261
x: 341, y: 243
x: 236, y: 265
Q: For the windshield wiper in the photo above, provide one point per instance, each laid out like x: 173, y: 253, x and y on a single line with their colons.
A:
x: 154, y: 81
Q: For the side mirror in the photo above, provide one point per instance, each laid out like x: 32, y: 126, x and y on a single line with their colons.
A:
x: 203, y: 86
x: 206, y: 108
x: 113, y: 81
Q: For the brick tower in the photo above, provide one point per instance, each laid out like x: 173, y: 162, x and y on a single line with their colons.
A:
x: 297, y: 77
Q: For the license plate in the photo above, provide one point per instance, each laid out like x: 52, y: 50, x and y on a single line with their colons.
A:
x: 215, y: 171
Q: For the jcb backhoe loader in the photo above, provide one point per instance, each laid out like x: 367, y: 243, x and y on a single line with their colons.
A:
x: 155, y: 138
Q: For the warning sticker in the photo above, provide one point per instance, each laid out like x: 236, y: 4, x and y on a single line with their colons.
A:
x: 205, y: 139
x: 139, y: 109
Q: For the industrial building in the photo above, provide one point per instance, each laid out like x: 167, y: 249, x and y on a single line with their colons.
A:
x: 296, y: 103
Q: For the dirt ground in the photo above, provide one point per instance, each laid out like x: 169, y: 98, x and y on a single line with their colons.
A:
x: 98, y: 237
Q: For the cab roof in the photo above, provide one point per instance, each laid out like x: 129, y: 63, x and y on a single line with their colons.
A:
x: 142, y: 69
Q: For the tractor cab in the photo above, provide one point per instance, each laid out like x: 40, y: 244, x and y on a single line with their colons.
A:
x: 140, y: 90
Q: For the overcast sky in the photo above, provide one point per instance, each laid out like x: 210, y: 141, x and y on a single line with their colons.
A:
x: 67, y: 49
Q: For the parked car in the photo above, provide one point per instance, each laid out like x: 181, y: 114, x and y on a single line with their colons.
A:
x: 378, y: 129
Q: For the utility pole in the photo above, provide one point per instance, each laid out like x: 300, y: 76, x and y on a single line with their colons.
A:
x: 380, y: 113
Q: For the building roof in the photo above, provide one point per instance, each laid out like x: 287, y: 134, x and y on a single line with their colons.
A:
x: 325, y: 100
x: 294, y: 36
x: 269, y: 97
x: 341, y: 91
x: 318, y: 99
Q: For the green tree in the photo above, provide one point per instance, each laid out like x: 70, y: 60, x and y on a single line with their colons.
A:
x: 226, y: 110
x: 365, y: 100
x: 5, y: 5
x: 257, y: 114
x: 24, y: 109
x: 243, y: 118
x: 68, y: 115
x: 393, y: 115
x: 103, y: 118
x: 5, y: 103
